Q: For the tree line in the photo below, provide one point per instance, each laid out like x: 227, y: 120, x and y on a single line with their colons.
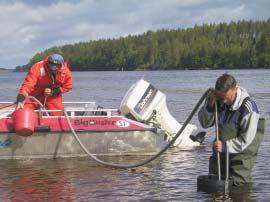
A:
x: 234, y: 45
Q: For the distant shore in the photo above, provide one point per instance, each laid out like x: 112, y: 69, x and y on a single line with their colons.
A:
x: 6, y: 70
x: 241, y: 44
x: 139, y: 70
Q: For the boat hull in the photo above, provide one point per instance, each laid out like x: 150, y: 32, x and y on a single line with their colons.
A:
x: 63, y: 144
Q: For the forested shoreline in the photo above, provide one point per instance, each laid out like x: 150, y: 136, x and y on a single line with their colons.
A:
x: 234, y: 45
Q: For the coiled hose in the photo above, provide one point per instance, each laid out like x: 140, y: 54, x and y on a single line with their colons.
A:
x: 147, y: 160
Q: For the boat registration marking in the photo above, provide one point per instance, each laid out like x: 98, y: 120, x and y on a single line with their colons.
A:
x: 122, y: 123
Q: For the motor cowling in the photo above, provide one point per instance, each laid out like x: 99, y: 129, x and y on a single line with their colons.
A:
x: 147, y: 104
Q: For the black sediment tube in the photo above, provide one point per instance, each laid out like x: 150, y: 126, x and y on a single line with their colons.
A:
x: 226, y: 188
x: 148, y: 160
x: 217, y: 139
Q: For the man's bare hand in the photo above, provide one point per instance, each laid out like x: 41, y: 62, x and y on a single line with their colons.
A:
x: 48, y: 92
x: 217, y: 146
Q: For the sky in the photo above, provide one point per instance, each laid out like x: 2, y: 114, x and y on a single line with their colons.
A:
x: 31, y: 26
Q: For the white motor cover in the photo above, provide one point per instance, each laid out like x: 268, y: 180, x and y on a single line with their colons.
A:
x: 147, y: 104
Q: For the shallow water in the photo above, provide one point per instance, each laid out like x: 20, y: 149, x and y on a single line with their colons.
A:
x: 172, y: 177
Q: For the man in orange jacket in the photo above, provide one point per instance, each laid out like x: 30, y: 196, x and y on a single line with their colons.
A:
x: 46, y: 80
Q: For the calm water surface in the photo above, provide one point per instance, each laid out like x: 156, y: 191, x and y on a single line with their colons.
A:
x: 172, y: 177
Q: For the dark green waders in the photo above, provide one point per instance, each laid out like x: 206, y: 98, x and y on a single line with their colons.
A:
x: 240, y: 164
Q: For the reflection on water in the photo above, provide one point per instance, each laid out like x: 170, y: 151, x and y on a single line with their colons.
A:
x: 32, y: 181
x: 172, y: 177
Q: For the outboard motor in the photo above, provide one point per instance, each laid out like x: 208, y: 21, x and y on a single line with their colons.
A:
x: 147, y: 104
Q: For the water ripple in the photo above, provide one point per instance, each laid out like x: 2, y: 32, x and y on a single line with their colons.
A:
x: 172, y: 177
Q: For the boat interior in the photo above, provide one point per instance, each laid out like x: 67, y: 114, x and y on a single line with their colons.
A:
x: 73, y: 109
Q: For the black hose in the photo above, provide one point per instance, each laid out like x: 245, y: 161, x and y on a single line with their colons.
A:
x: 150, y: 159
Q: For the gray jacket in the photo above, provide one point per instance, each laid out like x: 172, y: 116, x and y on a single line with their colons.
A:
x: 243, y: 116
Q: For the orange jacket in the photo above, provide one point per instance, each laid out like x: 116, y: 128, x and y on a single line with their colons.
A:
x: 40, y: 77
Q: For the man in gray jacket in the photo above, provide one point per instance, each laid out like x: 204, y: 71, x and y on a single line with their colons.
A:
x: 239, y: 131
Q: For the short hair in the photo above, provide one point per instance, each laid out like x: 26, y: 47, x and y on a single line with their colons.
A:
x: 225, y: 82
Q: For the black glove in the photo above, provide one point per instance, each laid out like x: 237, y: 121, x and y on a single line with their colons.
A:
x: 20, y: 98
x: 56, y: 90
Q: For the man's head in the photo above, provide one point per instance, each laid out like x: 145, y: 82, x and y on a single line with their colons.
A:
x: 225, y: 89
x: 55, y: 62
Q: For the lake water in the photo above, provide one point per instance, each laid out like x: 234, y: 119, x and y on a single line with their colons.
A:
x: 172, y: 177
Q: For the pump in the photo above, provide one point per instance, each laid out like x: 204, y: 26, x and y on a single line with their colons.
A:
x: 146, y: 104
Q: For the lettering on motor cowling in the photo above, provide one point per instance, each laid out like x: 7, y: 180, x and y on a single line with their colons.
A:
x: 5, y: 143
x: 146, y: 99
x: 86, y: 123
